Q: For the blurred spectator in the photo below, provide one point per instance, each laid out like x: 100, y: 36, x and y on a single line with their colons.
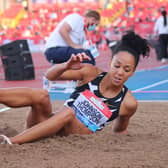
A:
x: 69, y: 36
x: 96, y: 37
x: 161, y: 29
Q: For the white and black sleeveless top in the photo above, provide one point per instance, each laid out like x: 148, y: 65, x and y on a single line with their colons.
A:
x: 112, y: 103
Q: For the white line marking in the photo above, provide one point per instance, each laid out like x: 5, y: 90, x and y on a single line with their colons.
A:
x: 152, y: 91
x: 153, y: 68
x: 150, y: 86
x: 150, y: 101
x: 4, y: 109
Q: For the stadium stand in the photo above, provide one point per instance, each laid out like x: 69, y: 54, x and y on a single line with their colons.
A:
x: 37, y: 23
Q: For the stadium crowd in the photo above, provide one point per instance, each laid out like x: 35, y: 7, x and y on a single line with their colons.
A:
x: 37, y: 23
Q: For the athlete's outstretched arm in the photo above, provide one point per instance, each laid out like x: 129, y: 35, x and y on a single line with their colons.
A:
x: 70, y: 70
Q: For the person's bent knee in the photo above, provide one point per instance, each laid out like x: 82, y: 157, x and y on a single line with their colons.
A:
x: 39, y: 96
x: 69, y: 114
x: 43, y: 97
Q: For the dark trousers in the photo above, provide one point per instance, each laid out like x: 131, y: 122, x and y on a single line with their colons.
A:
x: 59, y: 55
x: 163, y: 40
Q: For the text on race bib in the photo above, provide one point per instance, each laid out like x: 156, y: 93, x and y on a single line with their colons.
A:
x: 91, y: 111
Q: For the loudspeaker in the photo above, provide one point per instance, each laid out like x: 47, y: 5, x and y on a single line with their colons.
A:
x: 17, y: 61
x: 19, y: 73
x: 13, y: 48
x: 20, y: 59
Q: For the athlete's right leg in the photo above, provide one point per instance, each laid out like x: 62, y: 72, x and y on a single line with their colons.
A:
x: 37, y: 99
x: 49, y: 127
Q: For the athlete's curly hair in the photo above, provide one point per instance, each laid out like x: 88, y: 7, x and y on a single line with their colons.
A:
x: 134, y: 44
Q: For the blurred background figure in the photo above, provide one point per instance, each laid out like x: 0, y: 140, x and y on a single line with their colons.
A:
x: 69, y: 37
x: 161, y: 29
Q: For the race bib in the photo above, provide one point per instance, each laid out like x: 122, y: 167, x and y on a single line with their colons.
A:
x: 91, y: 111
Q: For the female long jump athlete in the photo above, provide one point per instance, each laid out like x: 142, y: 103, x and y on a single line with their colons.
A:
x: 99, y: 98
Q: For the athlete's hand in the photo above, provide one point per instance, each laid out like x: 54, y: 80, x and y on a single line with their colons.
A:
x: 75, y: 62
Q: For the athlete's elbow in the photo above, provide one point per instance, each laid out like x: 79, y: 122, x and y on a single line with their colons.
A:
x: 49, y: 76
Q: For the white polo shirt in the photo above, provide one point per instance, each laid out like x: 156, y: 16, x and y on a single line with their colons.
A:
x: 77, y: 34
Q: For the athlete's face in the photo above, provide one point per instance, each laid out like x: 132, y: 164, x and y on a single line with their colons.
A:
x: 122, y: 67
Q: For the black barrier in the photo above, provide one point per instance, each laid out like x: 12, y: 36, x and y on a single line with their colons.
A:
x: 17, y: 61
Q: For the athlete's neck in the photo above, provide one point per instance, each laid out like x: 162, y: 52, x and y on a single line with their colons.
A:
x: 107, y: 89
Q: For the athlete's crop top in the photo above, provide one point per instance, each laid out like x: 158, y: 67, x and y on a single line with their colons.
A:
x: 112, y: 103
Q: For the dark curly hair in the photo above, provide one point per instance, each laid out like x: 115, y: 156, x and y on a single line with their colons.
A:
x: 133, y: 44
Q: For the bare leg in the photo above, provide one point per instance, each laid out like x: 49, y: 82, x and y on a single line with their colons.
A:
x: 45, y: 128
x: 37, y: 99
x: 42, y: 125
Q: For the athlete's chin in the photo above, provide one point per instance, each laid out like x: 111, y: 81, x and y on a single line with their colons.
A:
x: 117, y: 82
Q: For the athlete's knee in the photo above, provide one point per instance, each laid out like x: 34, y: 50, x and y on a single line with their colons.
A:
x: 70, y: 115
x: 43, y: 97
x: 38, y: 96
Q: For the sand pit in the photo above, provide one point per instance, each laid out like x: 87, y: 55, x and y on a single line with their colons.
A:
x: 145, y: 146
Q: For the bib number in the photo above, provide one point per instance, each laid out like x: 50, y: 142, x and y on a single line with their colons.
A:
x: 91, y: 111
